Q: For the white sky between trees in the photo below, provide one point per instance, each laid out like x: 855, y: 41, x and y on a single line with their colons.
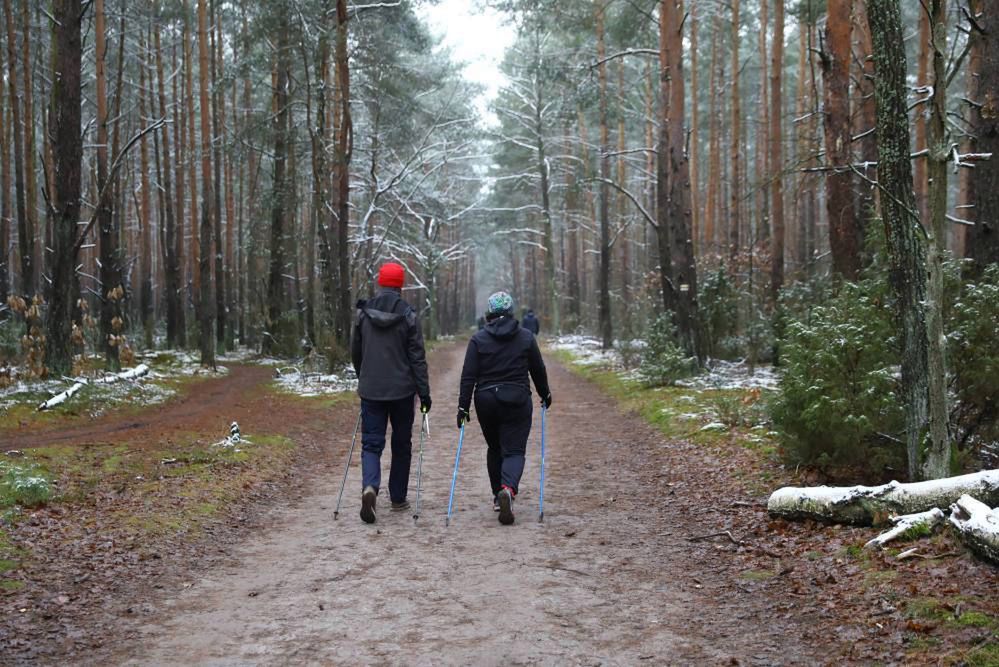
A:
x: 477, y: 37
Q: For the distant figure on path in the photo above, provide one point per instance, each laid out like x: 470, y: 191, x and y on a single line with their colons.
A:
x: 391, y: 365
x: 482, y: 322
x: 497, y: 363
x: 531, y: 323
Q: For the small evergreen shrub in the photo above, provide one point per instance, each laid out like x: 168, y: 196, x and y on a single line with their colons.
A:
x: 837, y: 405
x: 973, y: 361
x: 664, y: 361
x: 718, y: 303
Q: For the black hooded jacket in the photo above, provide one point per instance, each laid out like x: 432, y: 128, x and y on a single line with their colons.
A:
x: 387, y: 349
x: 502, y: 354
x: 531, y: 323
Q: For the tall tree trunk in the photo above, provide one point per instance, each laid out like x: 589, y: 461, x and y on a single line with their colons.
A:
x: 218, y: 115
x: 180, y: 122
x: 172, y: 270
x: 777, y: 153
x: 4, y: 193
x: 572, y: 212
x: 110, y: 264
x: 983, y: 238
x: 622, y: 204
x: 906, y: 253
x: 67, y: 139
x: 714, y: 147
x: 735, y: 147
x: 606, y: 328
x: 844, y: 241
x: 145, y: 217
x: 205, y: 305
x: 674, y: 184
x: 695, y: 140
x: 275, y: 284
x: 25, y: 234
x: 193, y: 272
x: 30, y: 183
x: 551, y: 299
x: 925, y: 47
x: 763, y: 137
x: 867, y: 122
x: 345, y: 147
x: 937, y: 457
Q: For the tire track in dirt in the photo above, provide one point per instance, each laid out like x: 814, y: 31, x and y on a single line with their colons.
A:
x: 607, y: 579
x: 209, y: 404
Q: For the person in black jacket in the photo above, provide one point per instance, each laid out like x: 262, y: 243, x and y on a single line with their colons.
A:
x: 391, y: 365
x: 498, y: 361
x: 531, y: 323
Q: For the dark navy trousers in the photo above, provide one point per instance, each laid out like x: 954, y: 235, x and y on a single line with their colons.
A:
x: 506, y: 427
x: 375, y: 417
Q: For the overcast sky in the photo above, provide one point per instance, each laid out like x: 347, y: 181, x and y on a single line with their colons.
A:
x: 476, y: 37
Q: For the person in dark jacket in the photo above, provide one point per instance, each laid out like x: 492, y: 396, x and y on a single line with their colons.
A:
x: 531, y: 323
x: 391, y: 365
x: 498, y: 361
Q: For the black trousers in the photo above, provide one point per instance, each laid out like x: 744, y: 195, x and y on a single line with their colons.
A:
x: 506, y: 428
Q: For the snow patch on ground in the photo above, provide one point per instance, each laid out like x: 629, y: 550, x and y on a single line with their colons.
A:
x: 586, y: 350
x: 732, y: 375
x: 293, y: 380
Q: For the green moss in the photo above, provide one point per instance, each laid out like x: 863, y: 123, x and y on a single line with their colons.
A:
x: 10, y: 585
x: 984, y: 656
x: 975, y: 619
x: 927, y: 608
x: 757, y: 575
x: 7, y: 566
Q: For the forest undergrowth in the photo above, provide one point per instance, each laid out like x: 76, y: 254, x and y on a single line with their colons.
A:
x: 938, y: 607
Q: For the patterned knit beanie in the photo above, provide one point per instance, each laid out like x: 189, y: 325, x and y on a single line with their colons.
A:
x: 500, y: 303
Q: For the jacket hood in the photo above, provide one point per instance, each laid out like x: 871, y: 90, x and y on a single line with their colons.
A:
x: 503, y: 328
x: 379, y: 309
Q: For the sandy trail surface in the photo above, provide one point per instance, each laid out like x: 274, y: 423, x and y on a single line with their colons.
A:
x: 610, y: 577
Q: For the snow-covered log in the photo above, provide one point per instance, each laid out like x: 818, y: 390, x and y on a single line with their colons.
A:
x: 978, y: 526
x: 867, y: 505
x: 62, y: 397
x: 130, y: 374
x: 910, y: 525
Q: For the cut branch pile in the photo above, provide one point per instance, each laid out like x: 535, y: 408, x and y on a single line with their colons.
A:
x: 914, y: 508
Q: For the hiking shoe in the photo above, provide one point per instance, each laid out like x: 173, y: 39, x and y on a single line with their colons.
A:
x: 496, y: 506
x: 368, y: 499
x: 400, y: 506
x: 505, y: 500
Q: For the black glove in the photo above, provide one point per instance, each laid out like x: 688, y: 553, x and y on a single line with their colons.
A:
x: 547, y: 401
x: 463, y: 417
x: 425, y: 404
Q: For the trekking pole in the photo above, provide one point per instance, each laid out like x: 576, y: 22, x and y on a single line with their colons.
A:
x: 347, y: 469
x: 454, y: 476
x: 424, y: 430
x: 541, y: 497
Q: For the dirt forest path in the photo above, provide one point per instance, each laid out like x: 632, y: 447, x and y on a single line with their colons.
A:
x: 608, y: 578
x: 206, y: 404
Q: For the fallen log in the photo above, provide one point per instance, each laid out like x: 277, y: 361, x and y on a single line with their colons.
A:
x: 910, y: 526
x: 978, y: 526
x: 62, y: 397
x: 873, y: 505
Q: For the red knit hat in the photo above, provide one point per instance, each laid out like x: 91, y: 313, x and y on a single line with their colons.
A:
x: 391, y: 275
